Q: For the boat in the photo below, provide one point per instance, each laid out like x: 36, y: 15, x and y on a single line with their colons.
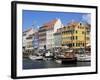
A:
x: 83, y: 57
x: 83, y: 54
x: 67, y: 57
x: 35, y: 57
x: 48, y: 56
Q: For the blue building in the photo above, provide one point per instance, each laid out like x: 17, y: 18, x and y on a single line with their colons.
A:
x: 36, y: 40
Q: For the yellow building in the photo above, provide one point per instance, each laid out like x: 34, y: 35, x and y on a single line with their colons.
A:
x: 76, y: 35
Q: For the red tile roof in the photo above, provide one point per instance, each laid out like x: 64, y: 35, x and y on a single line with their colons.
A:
x: 73, y: 23
x: 50, y: 24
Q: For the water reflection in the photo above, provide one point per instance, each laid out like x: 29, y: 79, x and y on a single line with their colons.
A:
x: 37, y: 64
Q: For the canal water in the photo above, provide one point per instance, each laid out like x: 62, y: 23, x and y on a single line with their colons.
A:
x: 39, y: 64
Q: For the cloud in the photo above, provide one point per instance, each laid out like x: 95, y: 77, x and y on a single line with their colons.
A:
x: 87, y: 18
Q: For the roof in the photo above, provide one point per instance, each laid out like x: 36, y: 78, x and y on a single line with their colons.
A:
x: 50, y: 25
x: 73, y: 24
x: 27, y: 30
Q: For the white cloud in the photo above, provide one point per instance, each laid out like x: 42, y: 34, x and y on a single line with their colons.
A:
x: 87, y: 18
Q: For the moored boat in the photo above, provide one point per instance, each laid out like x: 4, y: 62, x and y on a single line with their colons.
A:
x: 83, y: 57
x: 67, y: 57
x: 35, y: 57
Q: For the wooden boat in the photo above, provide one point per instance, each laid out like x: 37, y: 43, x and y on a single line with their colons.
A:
x: 67, y: 57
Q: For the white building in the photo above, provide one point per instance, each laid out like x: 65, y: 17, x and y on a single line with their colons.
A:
x: 51, y: 29
x: 49, y: 39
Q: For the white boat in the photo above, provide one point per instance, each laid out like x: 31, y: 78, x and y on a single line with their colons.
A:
x: 48, y: 54
x: 83, y: 57
x: 36, y: 57
x: 58, y: 61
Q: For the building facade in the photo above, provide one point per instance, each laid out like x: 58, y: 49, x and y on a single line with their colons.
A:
x: 42, y: 37
x: 58, y: 38
x: 52, y: 28
x: 28, y: 36
x: 36, y: 40
x: 54, y: 34
x: 46, y: 34
x: 76, y: 35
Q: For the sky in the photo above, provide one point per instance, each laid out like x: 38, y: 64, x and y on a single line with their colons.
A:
x: 36, y: 19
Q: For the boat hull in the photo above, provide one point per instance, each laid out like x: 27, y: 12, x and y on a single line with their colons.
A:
x: 66, y: 60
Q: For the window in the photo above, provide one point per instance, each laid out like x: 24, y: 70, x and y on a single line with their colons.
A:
x: 76, y: 44
x: 87, y: 38
x: 76, y: 38
x: 83, y: 44
x: 70, y: 45
x: 24, y: 34
x: 80, y: 24
x: 88, y: 32
x: 82, y: 32
x: 73, y: 37
x: 76, y: 32
x: 73, y: 44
